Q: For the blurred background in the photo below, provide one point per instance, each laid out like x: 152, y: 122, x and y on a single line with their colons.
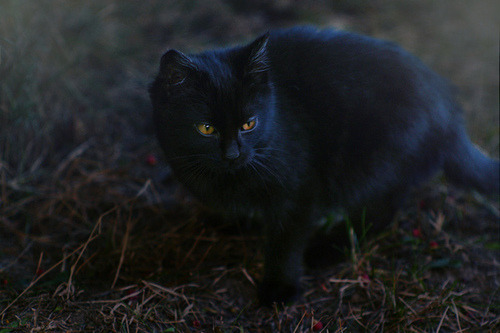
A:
x: 79, y: 159
x: 75, y: 72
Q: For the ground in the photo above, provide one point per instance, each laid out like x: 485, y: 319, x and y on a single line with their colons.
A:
x: 93, y: 240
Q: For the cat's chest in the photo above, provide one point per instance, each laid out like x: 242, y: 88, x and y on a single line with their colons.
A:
x: 235, y: 193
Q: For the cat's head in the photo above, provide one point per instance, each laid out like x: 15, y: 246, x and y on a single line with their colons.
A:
x: 215, y: 108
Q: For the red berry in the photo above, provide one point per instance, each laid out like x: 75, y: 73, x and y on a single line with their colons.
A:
x: 196, y: 324
x: 151, y: 160
x: 433, y: 245
x: 318, y: 326
x: 416, y: 233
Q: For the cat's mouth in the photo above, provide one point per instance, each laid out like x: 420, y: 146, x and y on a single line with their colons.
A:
x: 236, y: 165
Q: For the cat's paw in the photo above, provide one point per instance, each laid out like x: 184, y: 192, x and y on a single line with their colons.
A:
x: 278, y: 292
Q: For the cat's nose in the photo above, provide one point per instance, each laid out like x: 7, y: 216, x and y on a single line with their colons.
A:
x: 232, y: 151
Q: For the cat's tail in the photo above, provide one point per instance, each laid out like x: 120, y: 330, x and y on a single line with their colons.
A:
x: 467, y: 166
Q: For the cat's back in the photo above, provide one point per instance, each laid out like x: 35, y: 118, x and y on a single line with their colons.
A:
x: 334, y: 75
x: 307, y: 40
x: 326, y: 63
x: 309, y: 48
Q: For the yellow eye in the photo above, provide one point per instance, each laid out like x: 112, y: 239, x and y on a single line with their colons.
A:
x: 249, y: 125
x: 205, y: 129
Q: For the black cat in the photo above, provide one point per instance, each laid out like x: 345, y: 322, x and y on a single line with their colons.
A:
x: 303, y: 121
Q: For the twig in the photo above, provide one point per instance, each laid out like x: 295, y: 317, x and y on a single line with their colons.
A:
x: 300, y: 321
x: 355, y: 317
x: 153, y: 286
x: 249, y: 278
x: 91, y: 238
x: 188, y: 254
x: 485, y: 314
x: 203, y: 257
x: 124, y: 248
x: 333, y: 280
x: 408, y: 306
x: 37, y: 271
x: 131, y: 295
x: 146, y: 185
x: 442, y: 319
x: 26, y: 249
x: 41, y: 276
x: 456, y: 315
x: 74, y: 154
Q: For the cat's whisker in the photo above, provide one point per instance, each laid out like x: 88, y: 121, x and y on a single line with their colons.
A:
x: 193, y: 170
x: 262, y: 149
x: 268, y: 170
x: 259, y: 174
x: 273, y: 161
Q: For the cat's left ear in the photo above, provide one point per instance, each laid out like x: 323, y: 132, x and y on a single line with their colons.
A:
x: 257, y: 68
x: 175, y: 67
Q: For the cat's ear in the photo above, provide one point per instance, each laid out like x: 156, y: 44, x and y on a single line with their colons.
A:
x: 257, y: 67
x: 175, y: 67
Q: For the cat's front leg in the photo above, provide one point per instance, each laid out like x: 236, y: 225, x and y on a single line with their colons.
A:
x: 286, y: 239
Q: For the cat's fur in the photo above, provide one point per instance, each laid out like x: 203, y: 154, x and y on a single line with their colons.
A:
x: 343, y: 121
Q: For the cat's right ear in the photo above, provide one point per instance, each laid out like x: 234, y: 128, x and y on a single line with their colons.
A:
x: 257, y: 64
x: 175, y: 67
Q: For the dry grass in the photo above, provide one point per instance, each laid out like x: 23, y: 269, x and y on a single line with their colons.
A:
x: 92, y: 239
x: 133, y: 265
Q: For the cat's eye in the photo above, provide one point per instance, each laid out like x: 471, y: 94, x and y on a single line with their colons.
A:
x: 205, y: 129
x: 249, y: 125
